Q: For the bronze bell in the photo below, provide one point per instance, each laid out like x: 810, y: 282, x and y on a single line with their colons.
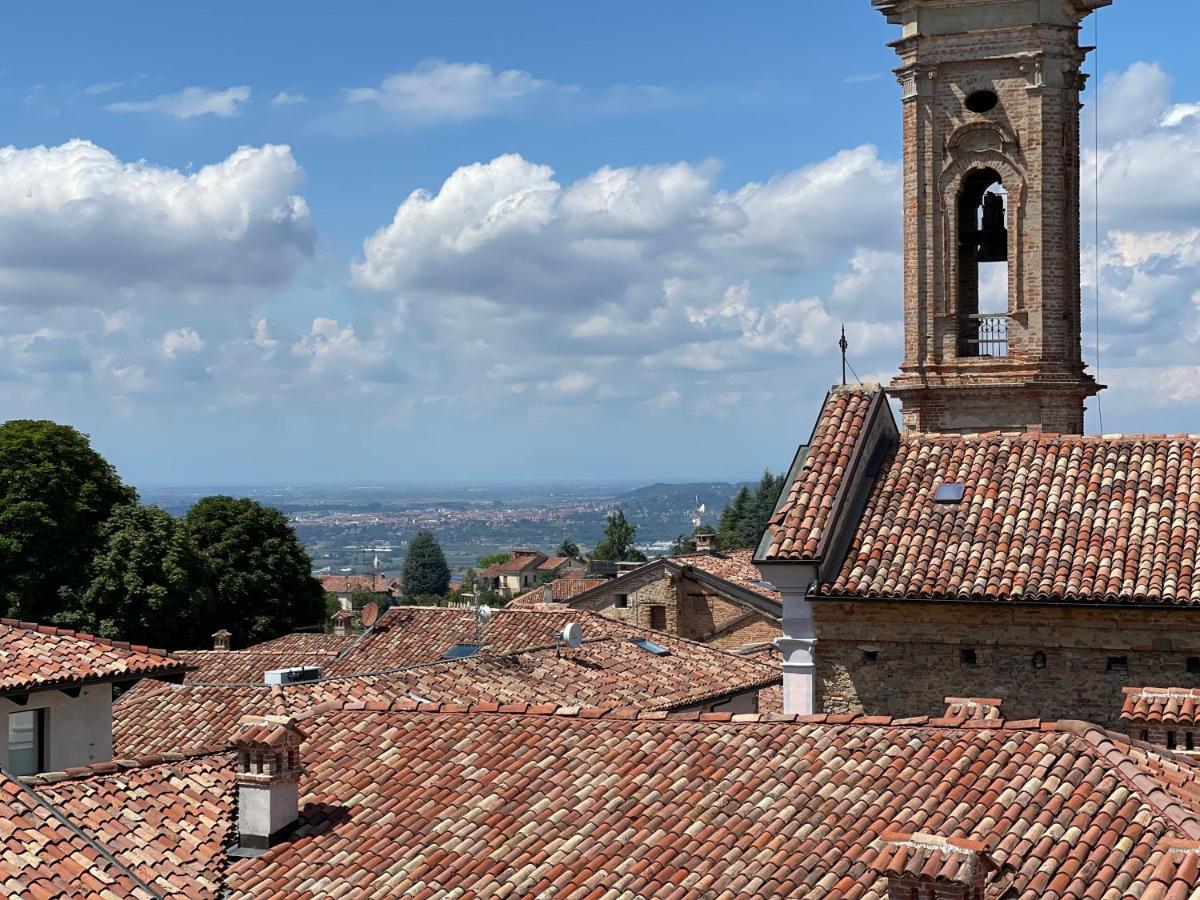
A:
x: 993, y: 236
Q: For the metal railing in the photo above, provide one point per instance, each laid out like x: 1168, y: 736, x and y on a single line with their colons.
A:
x: 987, y: 335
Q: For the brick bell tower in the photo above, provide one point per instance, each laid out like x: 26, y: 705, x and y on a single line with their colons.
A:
x: 992, y: 335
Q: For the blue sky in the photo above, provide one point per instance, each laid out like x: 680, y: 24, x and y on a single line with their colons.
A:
x: 642, y: 229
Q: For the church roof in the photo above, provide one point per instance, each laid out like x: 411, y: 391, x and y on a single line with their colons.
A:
x: 1025, y: 517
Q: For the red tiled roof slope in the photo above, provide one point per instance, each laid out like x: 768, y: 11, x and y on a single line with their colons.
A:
x: 1170, y: 706
x: 168, y: 821
x: 585, y: 806
x: 607, y: 670
x: 1044, y: 518
x: 38, y: 656
x: 561, y: 590
x: 734, y: 566
x: 518, y: 562
x: 42, y: 856
x: 157, y: 718
x: 799, y: 524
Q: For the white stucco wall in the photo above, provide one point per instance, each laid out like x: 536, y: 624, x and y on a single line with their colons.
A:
x: 78, y: 730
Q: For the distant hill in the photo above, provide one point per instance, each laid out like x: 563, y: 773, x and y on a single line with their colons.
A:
x: 661, y: 497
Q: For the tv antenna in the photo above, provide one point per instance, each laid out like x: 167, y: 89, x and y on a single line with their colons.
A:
x: 844, y: 345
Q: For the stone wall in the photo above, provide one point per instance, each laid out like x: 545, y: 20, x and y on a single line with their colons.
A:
x: 904, y: 659
x: 691, y: 610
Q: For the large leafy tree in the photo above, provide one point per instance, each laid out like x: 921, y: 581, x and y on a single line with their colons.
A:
x: 568, y: 548
x: 425, y: 571
x: 55, y: 493
x: 148, y: 583
x: 617, y: 543
x: 261, y: 573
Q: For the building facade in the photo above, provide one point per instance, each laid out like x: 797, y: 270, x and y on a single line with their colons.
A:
x: 716, y: 599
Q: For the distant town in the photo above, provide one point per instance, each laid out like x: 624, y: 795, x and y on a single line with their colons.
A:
x: 358, y: 529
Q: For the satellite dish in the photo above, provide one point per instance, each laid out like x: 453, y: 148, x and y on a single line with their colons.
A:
x: 370, y: 614
x: 572, y: 635
x: 484, y: 614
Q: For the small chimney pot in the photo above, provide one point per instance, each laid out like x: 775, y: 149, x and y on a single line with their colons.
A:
x: 221, y: 640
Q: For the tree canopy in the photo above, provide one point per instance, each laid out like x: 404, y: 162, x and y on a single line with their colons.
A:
x: 262, y: 575
x: 425, y: 571
x: 745, y: 519
x: 617, y: 543
x: 55, y: 493
x: 492, y: 559
x: 148, y: 583
x: 568, y: 548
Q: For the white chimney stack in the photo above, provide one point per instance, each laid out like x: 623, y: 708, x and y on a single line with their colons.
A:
x: 221, y: 640
x: 268, y: 780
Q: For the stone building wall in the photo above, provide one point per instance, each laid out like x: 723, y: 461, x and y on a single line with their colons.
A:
x: 903, y: 659
x: 690, y: 610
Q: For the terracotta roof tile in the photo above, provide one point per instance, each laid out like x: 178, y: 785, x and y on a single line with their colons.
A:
x: 518, y: 561
x: 1043, y: 518
x: 167, y: 820
x: 736, y: 567
x: 799, y: 524
x: 607, y: 669
x: 1169, y: 706
x: 583, y: 802
x: 40, y: 656
x: 561, y: 590
x: 44, y: 854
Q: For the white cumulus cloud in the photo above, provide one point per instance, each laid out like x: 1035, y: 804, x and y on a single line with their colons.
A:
x: 78, y: 224
x: 189, y: 103
x: 440, y: 90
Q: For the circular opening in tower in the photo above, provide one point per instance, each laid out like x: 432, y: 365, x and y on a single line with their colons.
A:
x: 982, y: 101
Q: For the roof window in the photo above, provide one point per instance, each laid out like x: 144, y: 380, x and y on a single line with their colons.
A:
x: 461, y: 651
x: 950, y: 492
x: 650, y: 647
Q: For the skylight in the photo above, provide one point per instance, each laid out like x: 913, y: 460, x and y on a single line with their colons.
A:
x: 461, y: 651
x: 650, y: 647
x: 417, y: 698
x: 764, y: 584
x: 950, y: 493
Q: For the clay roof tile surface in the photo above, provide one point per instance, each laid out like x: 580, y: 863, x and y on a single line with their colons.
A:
x: 33, y: 657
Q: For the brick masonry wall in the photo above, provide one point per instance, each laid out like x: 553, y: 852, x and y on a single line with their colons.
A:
x: 919, y: 657
x: 692, y: 611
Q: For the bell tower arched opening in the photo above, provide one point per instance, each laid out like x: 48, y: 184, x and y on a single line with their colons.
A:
x: 983, y: 286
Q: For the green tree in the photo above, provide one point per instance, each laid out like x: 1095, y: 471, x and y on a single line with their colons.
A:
x: 55, y: 493
x: 425, y: 571
x: 148, y: 583
x: 731, y: 526
x: 617, y: 544
x: 568, y: 548
x: 745, y: 519
x: 262, y: 575
x: 492, y: 559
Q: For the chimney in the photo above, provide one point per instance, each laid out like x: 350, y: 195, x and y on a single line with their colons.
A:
x: 268, y: 780
x: 221, y: 640
x: 705, y: 543
x: 342, y: 622
x: 548, y: 594
x: 973, y: 708
x: 918, y: 866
